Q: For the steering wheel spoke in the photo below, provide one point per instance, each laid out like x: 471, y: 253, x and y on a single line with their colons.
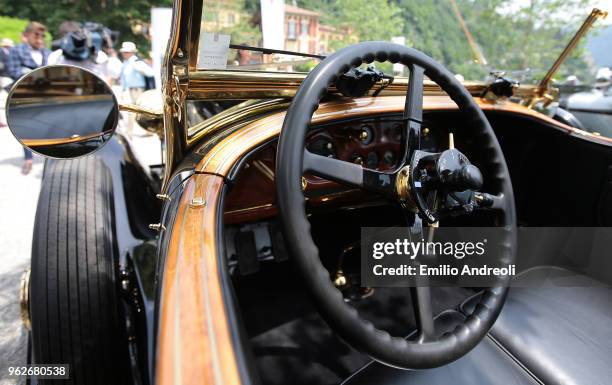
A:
x: 413, y: 111
x: 350, y: 174
x: 423, y: 314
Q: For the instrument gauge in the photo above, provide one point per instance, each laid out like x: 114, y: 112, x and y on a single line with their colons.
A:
x: 366, y: 134
x: 322, y: 145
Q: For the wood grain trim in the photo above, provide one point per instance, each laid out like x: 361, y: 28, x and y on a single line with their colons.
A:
x: 221, y: 158
x: 194, y: 340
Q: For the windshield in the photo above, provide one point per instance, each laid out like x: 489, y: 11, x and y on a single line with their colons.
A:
x: 471, y: 38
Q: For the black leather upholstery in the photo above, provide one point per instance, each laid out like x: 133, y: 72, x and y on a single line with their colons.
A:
x: 563, y: 335
x: 487, y: 364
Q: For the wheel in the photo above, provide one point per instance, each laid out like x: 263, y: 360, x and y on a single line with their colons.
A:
x: 73, y: 295
x: 454, y: 173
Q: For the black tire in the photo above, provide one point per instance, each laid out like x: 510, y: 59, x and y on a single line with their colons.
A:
x: 73, y: 294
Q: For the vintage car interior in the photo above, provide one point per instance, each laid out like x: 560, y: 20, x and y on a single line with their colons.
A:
x: 541, y: 335
x: 237, y: 260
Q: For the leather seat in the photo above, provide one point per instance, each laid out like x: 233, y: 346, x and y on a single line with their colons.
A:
x: 550, y: 335
x: 562, y: 335
x: 487, y: 364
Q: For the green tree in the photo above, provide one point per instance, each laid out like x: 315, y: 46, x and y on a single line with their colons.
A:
x: 365, y: 19
x: 245, y: 31
x: 12, y: 27
x: 523, y: 40
x: 530, y: 37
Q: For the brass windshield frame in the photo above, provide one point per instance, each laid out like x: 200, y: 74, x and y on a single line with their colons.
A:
x: 183, y: 81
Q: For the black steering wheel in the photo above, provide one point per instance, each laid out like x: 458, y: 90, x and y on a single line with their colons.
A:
x: 454, y: 174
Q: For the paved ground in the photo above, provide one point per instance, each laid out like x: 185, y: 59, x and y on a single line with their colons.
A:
x: 18, y: 199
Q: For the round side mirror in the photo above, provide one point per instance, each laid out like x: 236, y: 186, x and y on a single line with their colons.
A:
x: 62, y: 111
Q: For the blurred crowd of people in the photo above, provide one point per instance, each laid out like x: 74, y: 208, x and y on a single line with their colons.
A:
x: 87, y: 45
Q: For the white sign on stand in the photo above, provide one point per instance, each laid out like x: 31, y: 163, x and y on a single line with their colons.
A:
x: 273, y: 23
x: 161, y: 22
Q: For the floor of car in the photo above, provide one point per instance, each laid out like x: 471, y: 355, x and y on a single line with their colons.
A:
x: 292, y: 344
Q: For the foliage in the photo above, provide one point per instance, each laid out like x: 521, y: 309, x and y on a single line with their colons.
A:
x: 523, y: 38
x: 531, y: 37
x: 115, y: 14
x: 365, y: 19
x: 305, y: 67
x: 245, y: 31
x: 12, y: 27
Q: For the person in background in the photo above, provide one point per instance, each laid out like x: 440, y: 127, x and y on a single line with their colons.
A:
x: 114, y: 64
x: 5, y: 80
x: 31, y: 54
x: 82, y: 47
x: 132, y: 77
x: 25, y: 57
x: 5, y: 48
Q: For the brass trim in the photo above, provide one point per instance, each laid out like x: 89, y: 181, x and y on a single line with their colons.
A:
x: 242, y: 84
x: 140, y: 110
x: 543, y: 91
x: 178, y: 60
x: 24, y: 299
x: 157, y: 226
x: 60, y: 141
x: 402, y: 187
x: 197, y: 202
x: 249, y: 209
x: 163, y: 197
x: 61, y: 99
x: 232, y: 116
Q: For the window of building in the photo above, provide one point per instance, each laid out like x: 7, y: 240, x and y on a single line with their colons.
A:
x: 230, y: 19
x: 291, y: 34
x: 304, y: 30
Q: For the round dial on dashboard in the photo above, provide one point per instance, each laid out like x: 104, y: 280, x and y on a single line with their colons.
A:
x: 322, y: 145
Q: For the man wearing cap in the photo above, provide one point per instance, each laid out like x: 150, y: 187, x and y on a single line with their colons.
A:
x: 132, y: 77
x: 24, y: 58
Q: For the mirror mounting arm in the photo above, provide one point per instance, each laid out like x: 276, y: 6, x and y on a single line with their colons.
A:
x: 140, y: 110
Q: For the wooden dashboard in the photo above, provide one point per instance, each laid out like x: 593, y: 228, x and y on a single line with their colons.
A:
x: 374, y: 143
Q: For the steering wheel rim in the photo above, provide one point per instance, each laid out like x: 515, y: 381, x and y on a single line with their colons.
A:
x: 293, y: 160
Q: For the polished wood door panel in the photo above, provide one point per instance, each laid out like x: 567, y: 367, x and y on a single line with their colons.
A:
x: 194, y: 339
